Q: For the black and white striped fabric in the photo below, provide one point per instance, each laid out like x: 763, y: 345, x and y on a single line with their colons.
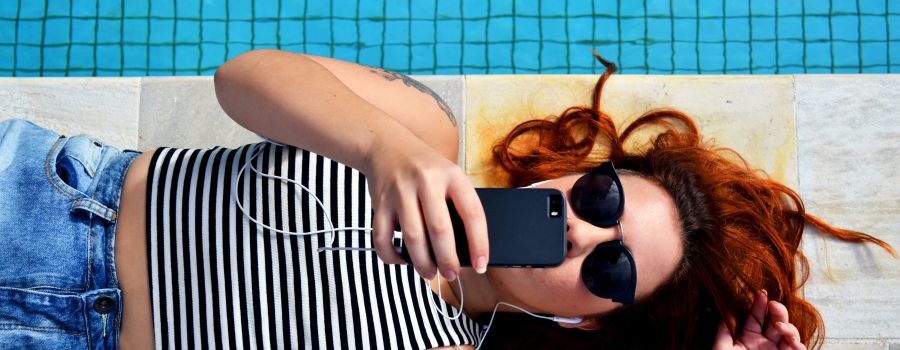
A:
x: 218, y: 280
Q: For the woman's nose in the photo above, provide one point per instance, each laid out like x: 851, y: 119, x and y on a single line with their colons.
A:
x: 582, y: 236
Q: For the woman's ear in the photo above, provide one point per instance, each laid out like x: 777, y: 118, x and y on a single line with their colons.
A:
x: 588, y: 324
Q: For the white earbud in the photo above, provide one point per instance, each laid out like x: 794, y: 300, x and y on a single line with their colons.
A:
x: 535, y: 184
x: 572, y: 320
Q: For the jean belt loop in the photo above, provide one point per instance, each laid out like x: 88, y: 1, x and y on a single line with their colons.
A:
x: 93, y: 206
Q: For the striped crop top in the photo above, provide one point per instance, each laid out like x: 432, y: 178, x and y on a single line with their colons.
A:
x: 217, y: 280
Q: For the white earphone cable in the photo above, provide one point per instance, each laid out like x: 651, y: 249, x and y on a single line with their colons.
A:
x: 333, y: 230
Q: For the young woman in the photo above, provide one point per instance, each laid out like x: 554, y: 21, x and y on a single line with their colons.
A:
x: 268, y: 246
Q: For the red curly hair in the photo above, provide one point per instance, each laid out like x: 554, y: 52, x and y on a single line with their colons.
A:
x: 741, y: 231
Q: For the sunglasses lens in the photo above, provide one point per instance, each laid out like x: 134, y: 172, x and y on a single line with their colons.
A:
x: 596, y: 198
x: 608, y: 272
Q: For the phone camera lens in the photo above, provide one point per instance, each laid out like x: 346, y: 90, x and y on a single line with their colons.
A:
x: 555, y: 207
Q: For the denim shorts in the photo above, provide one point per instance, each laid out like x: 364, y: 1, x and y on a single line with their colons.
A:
x: 58, y: 205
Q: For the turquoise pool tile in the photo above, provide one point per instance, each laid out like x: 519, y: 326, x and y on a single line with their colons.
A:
x: 875, y: 57
x: 553, y: 27
x: 790, y: 8
x: 394, y: 53
x: 396, y: 32
x: 660, y: 58
x: 135, y: 8
x: 659, y: 8
x: 528, y: 8
x: 709, y: 7
x: 420, y: 9
x: 135, y: 31
x: 815, y: 7
x: 29, y: 32
x: 528, y: 29
x: 873, y: 28
x: 736, y: 29
x: 111, y: 8
x: 845, y: 27
x: 790, y: 28
x: 659, y: 30
x: 763, y: 57
x: 450, y: 8
x: 816, y: 27
x: 606, y: 8
x: 54, y: 59
x: 109, y: 57
x: 188, y: 31
x: 762, y: 28
x: 525, y: 57
x: 607, y: 30
x: 553, y: 58
x: 712, y: 57
x: 474, y: 9
x: 790, y: 57
x: 580, y: 8
x: 551, y: 8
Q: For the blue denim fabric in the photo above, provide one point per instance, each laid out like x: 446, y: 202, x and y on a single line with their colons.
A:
x: 58, y: 202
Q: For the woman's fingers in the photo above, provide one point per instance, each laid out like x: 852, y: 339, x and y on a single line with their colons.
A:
x: 414, y: 237
x: 778, y: 314
x: 790, y: 337
x: 440, y: 231
x: 757, y: 316
x: 467, y: 204
x: 383, y: 235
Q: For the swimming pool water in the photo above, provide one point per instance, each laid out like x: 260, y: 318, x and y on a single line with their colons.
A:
x: 193, y: 37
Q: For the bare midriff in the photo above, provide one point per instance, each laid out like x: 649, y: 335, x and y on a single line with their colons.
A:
x: 131, y: 258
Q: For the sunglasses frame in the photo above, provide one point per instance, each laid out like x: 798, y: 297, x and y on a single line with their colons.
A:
x: 626, y: 296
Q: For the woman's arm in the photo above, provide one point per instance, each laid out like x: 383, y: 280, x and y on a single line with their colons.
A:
x: 329, y: 106
x: 403, y: 139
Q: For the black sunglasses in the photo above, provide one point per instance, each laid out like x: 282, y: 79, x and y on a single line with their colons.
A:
x: 609, y: 271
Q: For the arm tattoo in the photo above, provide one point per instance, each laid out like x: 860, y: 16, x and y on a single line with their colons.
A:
x: 391, y: 76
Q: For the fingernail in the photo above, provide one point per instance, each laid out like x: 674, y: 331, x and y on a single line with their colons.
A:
x: 781, y: 324
x: 765, y: 293
x: 449, y: 275
x: 481, y: 264
x: 429, y: 275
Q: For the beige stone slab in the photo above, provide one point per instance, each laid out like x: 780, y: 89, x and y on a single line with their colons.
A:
x: 106, y: 108
x: 854, y: 344
x: 752, y: 114
x: 848, y: 131
x: 184, y: 112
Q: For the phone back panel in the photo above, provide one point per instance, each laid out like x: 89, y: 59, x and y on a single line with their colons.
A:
x: 521, y: 230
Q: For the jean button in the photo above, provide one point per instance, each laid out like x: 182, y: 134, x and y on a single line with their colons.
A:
x: 104, y: 304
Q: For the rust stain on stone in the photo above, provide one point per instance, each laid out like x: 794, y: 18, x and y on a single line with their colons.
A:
x: 496, y: 104
x: 727, y: 110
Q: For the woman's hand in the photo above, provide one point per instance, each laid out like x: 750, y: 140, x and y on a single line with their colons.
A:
x: 778, y: 333
x: 409, y: 184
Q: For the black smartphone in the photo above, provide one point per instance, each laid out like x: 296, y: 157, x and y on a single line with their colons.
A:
x: 526, y: 228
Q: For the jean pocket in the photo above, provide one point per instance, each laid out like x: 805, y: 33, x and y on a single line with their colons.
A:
x: 77, y: 162
x: 30, y: 319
